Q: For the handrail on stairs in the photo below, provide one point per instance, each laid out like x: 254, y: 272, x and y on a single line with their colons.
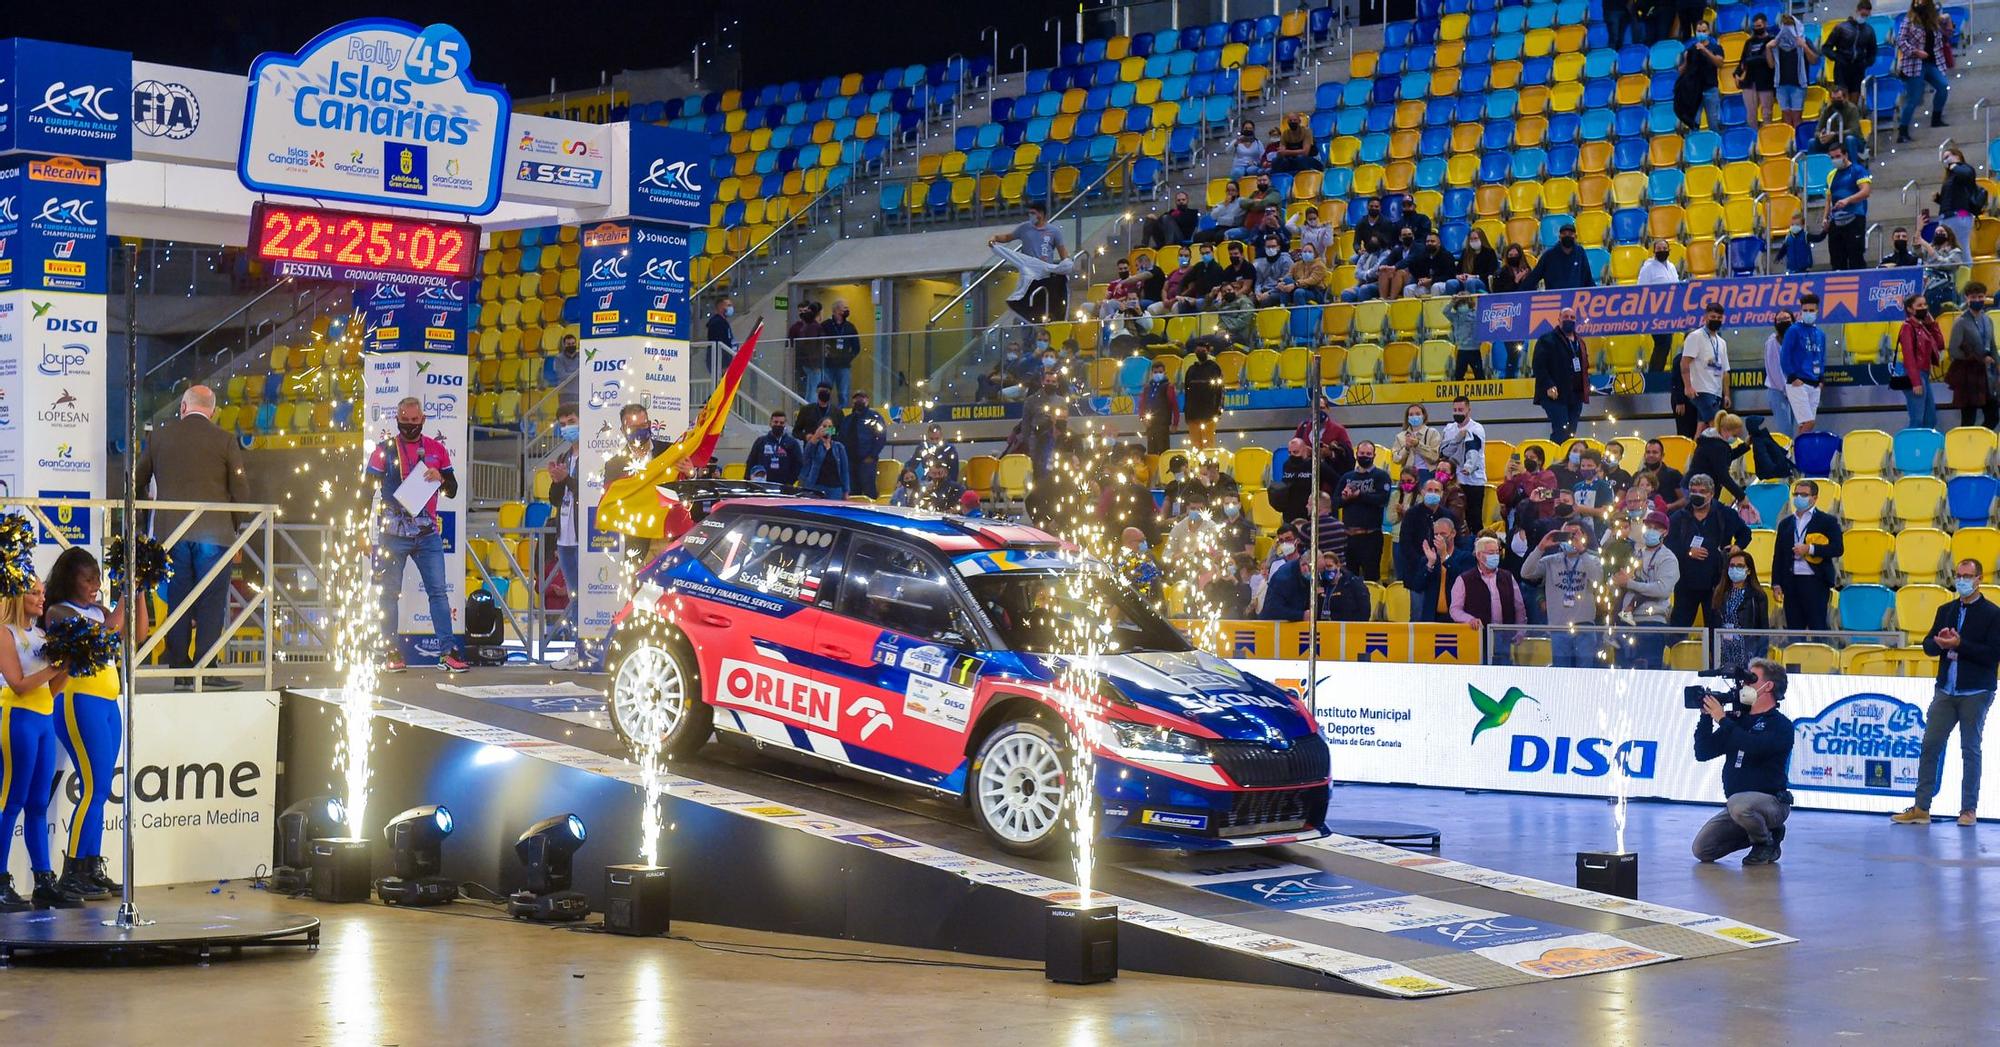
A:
x: 1123, y: 161
x: 751, y: 252
x: 218, y: 325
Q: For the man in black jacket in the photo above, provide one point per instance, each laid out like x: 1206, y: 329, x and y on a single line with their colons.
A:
x: 1562, y: 376
x: 1701, y: 535
x: 1755, y: 743
x: 1808, y: 542
x: 843, y: 344
x: 1364, y: 494
x: 1851, y: 47
x: 1201, y: 384
x: 1965, y: 639
x: 1565, y: 267
x: 777, y: 453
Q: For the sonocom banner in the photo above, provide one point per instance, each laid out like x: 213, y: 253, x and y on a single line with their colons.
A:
x: 205, y: 786
x: 1591, y: 732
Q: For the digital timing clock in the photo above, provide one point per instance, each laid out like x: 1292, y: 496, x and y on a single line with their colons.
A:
x: 318, y: 244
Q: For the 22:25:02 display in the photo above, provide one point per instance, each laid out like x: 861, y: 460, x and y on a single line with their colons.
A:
x: 349, y: 239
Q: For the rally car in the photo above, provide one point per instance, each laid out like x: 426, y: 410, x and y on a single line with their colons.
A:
x: 922, y: 648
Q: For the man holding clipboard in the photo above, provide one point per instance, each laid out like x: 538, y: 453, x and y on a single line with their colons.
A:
x: 410, y: 469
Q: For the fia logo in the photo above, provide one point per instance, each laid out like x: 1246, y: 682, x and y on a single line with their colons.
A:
x: 163, y: 110
x: 82, y: 100
x: 671, y: 176
x: 612, y: 268
x: 67, y: 212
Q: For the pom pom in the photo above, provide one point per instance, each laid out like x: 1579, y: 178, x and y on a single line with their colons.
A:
x: 17, y: 554
x: 153, y: 567
x: 82, y: 647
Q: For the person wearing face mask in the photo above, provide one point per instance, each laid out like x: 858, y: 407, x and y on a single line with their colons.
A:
x: 1235, y: 535
x: 1202, y: 400
x: 1439, y: 563
x: 1899, y: 254
x: 1566, y: 267
x: 1369, y: 259
x: 1296, y: 147
x: 1285, y: 590
x: 1159, y: 409
x: 1646, y: 593
x: 821, y: 409
x: 864, y: 432
x: 843, y: 345
x: 935, y: 448
x: 1562, y: 374
x: 1974, y: 374
x: 1227, y: 214
x: 1342, y: 596
x: 1489, y: 595
x: 1364, y: 499
x: 1795, y: 247
x: 563, y: 366
x: 1391, y: 279
x: 403, y: 535
x: 1246, y: 154
x: 1702, y: 534
x: 1274, y: 269
x: 1943, y: 257
x: 1807, y: 545
x: 1527, y: 489
x: 1570, y: 574
x: 1754, y: 742
x: 1136, y: 566
x: 1754, y: 72
x: 1175, y: 225
x: 1803, y: 359
x: 1659, y: 270
x: 1239, y: 278
x: 1959, y: 198
x: 1919, y: 347
x: 1415, y: 529
x: 1511, y: 276
x: 1846, y: 225
x: 1463, y: 443
x: 1463, y: 312
x: 1965, y: 639
x: 1477, y: 264
x: 1850, y: 48
x: 1417, y: 447
x: 1704, y: 366
x: 1839, y: 121
x: 1697, y: 92
x: 807, y: 345
x: 1791, y: 56
x: 1305, y: 284
x: 1374, y: 226
x: 719, y: 331
x: 1738, y: 603
x: 1923, y: 55
x: 563, y: 495
x: 777, y: 452
x: 1310, y: 230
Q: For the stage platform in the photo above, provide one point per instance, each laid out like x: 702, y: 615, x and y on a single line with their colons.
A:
x: 774, y: 845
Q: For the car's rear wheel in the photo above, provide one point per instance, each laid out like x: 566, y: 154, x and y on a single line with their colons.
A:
x: 1018, y: 780
x: 656, y: 694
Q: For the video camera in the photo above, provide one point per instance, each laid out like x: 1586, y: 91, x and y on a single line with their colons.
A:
x: 1694, y: 694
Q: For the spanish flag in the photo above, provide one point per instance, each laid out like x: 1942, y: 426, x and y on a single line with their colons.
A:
x: 633, y: 504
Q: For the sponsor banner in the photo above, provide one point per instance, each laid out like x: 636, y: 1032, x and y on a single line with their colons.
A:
x: 666, y: 173
x: 186, y: 116
x: 1590, y: 732
x: 557, y: 161
x: 376, y: 111
x: 635, y: 281
x: 650, y: 372
x: 1573, y: 955
x: 54, y: 408
x: 1854, y: 296
x: 52, y: 225
x: 398, y: 317
x: 64, y: 99
x: 440, y: 381
x: 202, y: 796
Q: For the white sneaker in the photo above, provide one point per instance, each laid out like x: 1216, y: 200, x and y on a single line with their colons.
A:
x: 568, y: 663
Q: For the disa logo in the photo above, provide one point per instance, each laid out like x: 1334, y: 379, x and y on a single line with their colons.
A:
x: 1559, y: 754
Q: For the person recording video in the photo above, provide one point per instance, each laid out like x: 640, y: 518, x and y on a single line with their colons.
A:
x: 1754, y: 740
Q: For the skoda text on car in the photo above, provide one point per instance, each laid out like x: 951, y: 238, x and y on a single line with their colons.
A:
x: 918, y: 647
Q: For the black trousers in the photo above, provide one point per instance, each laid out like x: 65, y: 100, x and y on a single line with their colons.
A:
x: 1469, y: 362
x: 1844, y: 244
x: 1688, y: 602
x: 1805, y: 601
x: 1988, y: 416
x: 1364, y: 554
x: 1663, y: 347
x: 1475, y: 505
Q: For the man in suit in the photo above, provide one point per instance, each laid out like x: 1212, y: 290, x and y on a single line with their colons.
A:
x: 1808, y: 542
x: 193, y: 460
x: 1965, y: 639
x: 1562, y: 376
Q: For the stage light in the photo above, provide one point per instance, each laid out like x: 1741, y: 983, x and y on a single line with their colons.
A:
x: 416, y: 840
x: 301, y: 824
x: 546, y: 849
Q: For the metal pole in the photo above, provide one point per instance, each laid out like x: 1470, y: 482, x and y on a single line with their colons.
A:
x: 128, y: 913
x: 1313, y: 393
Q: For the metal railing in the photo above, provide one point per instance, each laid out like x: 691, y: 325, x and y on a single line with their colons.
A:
x: 529, y: 626
x: 761, y: 391
x: 1689, y: 648
x: 988, y: 200
x: 1082, y: 194
x: 811, y: 207
x: 56, y: 518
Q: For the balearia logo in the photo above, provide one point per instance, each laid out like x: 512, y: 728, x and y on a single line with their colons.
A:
x: 1530, y: 753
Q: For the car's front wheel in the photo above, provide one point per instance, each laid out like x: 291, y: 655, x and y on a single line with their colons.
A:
x: 656, y: 694
x: 1018, y: 779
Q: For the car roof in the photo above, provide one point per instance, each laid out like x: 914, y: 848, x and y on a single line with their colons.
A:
x: 948, y: 534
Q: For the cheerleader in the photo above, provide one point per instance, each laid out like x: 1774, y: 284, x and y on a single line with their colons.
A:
x: 87, y: 717
x: 28, y: 749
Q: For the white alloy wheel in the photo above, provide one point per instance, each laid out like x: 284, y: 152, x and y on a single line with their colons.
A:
x: 1019, y: 786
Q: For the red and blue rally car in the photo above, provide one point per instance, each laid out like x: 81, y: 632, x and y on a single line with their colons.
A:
x: 921, y: 648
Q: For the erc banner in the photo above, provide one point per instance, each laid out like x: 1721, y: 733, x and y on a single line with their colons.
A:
x: 1855, y: 296
x: 206, y: 786
x: 64, y: 99
x: 53, y: 408
x: 439, y: 379
x: 376, y: 111
x: 1604, y: 733
x: 52, y: 233
x: 408, y: 318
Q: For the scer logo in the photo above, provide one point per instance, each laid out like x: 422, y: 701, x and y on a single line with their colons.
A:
x: 676, y: 175
x: 783, y: 694
x: 83, y: 100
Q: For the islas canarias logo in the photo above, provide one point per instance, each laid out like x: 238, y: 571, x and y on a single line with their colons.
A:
x: 1495, y: 713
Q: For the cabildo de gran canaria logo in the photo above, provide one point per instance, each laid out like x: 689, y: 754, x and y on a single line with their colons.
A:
x: 1558, y: 754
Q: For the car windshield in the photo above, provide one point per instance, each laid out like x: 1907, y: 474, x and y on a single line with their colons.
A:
x: 1034, y: 611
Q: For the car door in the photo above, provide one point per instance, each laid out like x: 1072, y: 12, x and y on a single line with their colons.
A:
x: 752, y: 631
x: 897, y: 649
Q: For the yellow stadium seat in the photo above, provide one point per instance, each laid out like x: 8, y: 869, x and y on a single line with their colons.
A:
x: 1406, y: 318
x: 1864, y: 452
x: 1968, y: 450
x: 1399, y: 361
x: 1865, y: 502
x: 1918, y: 499
x: 1232, y: 363
x: 1922, y: 555
x: 1762, y: 544
x: 1977, y: 543
x: 1271, y: 323
x: 1261, y: 367
x: 1012, y: 477
x: 1251, y: 466
x: 1811, y: 658
x: 1363, y: 363
x: 1436, y: 358
x: 1916, y: 607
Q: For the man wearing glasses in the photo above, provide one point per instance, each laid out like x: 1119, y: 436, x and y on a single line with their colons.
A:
x: 1965, y: 639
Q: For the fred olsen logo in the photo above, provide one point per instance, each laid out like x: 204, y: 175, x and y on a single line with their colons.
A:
x: 164, y: 110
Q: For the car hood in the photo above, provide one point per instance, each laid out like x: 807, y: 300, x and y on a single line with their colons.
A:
x: 1198, y: 686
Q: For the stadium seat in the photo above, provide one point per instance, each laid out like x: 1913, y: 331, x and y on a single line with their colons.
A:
x: 1969, y: 499
x: 1864, y: 502
x: 1810, y: 658
x: 1922, y: 555
x: 1866, y: 608
x: 1916, y: 606
x: 1865, y: 554
x: 1917, y: 451
x: 1814, y: 453
x: 1864, y: 452
x: 1977, y: 543
x: 1918, y: 499
x: 1968, y: 451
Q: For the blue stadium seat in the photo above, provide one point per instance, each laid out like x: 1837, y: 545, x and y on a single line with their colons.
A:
x: 1552, y: 228
x: 1866, y: 608
x: 1916, y: 451
x: 1493, y: 167
x: 1629, y: 154
x: 1738, y: 143
x: 1562, y: 161
x: 1970, y: 499
x: 1814, y: 452
x: 1664, y: 186
x: 1701, y: 147
x: 1744, y: 253
x: 1628, y: 225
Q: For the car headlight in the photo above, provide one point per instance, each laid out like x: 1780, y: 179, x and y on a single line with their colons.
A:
x: 1142, y: 742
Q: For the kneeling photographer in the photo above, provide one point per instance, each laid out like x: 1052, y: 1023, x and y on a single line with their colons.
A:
x: 1754, y: 740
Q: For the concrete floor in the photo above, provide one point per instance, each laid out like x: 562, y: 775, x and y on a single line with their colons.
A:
x: 1899, y: 944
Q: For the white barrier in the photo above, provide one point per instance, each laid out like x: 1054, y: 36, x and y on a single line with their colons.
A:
x: 1594, y: 732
